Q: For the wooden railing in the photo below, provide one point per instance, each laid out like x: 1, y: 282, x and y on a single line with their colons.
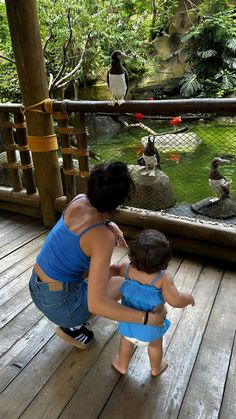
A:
x: 29, y: 200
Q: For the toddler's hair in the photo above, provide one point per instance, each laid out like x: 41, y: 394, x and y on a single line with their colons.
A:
x: 150, y: 252
x: 109, y: 184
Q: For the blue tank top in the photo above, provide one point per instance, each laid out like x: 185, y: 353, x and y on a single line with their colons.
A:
x: 61, y: 256
x: 143, y: 297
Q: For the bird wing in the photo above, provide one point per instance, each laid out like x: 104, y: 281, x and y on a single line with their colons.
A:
x: 126, y: 81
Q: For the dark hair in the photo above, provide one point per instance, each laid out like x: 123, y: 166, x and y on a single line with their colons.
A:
x: 109, y: 184
x: 150, y: 252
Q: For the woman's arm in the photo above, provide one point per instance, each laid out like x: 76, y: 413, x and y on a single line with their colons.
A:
x: 119, y: 236
x: 173, y: 296
x: 98, y: 301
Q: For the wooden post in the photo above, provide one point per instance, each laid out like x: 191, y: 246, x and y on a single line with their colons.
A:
x: 26, y: 42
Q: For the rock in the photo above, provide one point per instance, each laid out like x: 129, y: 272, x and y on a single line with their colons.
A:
x: 102, y: 125
x: 216, y: 208
x: 184, y: 142
x: 152, y: 192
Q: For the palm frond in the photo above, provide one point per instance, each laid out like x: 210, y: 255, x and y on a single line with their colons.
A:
x: 231, y: 44
x: 189, y: 84
x: 231, y: 62
x: 228, y: 82
x: 207, y: 54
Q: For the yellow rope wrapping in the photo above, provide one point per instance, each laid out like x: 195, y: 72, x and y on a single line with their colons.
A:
x: 75, y: 151
x: 32, y: 108
x: 17, y: 125
x: 19, y: 166
x: 47, y: 105
x: 71, y: 130
x: 75, y: 172
x: 57, y: 115
x: 16, y: 147
x: 42, y: 143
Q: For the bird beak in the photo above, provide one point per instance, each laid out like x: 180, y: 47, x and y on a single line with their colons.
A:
x: 123, y: 55
x: 224, y: 161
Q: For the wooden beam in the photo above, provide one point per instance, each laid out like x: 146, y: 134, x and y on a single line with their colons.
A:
x: 152, y: 107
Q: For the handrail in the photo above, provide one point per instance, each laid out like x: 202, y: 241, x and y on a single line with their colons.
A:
x: 157, y: 107
x: 226, y: 106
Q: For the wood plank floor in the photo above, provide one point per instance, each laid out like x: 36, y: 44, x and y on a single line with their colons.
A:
x: 42, y: 377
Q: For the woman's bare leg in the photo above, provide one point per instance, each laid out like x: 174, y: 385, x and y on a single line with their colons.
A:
x: 121, y: 360
x: 155, y: 353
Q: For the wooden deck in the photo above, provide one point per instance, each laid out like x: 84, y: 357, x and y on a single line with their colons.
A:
x: 42, y: 377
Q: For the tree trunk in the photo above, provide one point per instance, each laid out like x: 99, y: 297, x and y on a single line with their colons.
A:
x: 26, y: 42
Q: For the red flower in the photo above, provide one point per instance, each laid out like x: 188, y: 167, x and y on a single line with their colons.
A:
x: 174, y: 157
x: 176, y: 120
x: 138, y: 150
x: 150, y: 98
x: 139, y: 116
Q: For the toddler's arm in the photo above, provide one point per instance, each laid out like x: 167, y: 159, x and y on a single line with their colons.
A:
x: 173, y: 296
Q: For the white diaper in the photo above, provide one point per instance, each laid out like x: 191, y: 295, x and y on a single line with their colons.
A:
x: 136, y: 342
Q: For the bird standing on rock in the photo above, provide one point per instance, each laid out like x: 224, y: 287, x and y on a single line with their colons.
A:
x: 117, y: 78
x: 151, y: 156
x: 217, y: 181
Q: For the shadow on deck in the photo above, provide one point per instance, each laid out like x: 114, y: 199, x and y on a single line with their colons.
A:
x: 42, y: 377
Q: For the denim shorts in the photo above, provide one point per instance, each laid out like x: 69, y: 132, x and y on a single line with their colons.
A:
x: 67, y: 307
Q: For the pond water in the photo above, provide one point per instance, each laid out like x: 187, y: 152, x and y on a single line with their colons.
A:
x: 187, y: 170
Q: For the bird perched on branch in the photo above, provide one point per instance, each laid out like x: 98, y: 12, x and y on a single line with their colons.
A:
x: 117, y: 77
x: 217, y: 181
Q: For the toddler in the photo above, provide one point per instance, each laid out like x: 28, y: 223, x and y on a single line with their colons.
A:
x: 147, y: 286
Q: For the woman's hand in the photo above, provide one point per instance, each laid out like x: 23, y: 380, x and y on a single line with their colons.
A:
x: 119, y: 236
x: 157, y: 317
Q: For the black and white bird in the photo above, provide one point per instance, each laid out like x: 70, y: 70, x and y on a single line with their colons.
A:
x: 217, y: 181
x: 151, y: 156
x: 117, y: 77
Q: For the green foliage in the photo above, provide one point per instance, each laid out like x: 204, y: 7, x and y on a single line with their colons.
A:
x: 129, y: 25
x: 210, y: 49
x: 9, y: 88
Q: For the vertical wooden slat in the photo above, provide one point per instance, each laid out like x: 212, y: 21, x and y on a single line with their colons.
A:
x: 21, y: 139
x: 11, y: 154
x: 69, y: 181
x: 82, y: 144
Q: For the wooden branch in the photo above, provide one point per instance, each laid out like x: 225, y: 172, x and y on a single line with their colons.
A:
x: 65, y: 48
x: 145, y: 128
x: 7, y: 59
x: 61, y: 82
x: 47, y: 40
x: 50, y: 82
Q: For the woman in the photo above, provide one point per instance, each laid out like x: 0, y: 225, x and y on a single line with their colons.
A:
x: 80, y: 245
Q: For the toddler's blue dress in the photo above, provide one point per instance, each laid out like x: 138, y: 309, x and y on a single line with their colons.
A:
x: 146, y: 298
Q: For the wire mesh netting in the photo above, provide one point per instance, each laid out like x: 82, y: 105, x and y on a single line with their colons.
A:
x: 178, y: 176
x: 170, y: 160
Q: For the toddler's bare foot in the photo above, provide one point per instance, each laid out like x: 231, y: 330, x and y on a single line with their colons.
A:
x: 116, y: 364
x: 161, y: 369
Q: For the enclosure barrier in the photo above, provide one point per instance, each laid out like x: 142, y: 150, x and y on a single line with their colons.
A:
x: 196, y: 236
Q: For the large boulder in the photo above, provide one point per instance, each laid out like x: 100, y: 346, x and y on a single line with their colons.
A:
x: 152, y: 192
x: 182, y: 142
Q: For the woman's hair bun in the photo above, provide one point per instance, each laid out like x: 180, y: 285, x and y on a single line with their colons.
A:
x: 109, y: 184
